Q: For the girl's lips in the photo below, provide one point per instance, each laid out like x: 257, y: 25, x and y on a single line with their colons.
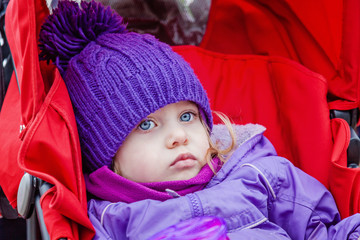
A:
x: 185, y: 158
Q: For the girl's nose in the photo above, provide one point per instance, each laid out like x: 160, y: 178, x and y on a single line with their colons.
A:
x: 176, y: 137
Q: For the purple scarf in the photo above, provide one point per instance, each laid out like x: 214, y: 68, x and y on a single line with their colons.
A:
x: 107, y: 185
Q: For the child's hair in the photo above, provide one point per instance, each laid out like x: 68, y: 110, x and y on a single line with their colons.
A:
x: 214, y: 150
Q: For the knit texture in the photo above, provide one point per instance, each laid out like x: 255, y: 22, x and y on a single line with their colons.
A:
x: 117, y: 80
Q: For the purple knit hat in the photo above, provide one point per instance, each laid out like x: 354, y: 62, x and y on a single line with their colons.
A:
x: 115, y: 78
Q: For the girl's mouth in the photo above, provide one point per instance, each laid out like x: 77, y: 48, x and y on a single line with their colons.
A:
x: 184, y: 160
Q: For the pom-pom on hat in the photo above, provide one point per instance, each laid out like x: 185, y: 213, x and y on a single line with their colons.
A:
x: 115, y: 78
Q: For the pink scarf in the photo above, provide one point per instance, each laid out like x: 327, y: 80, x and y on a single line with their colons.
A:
x: 107, y: 185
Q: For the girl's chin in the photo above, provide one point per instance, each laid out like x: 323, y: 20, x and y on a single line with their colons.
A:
x: 184, y: 175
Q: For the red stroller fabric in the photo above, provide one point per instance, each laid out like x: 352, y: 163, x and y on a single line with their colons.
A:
x: 48, y: 146
x: 344, y: 182
x: 290, y: 101
x: 322, y: 35
x: 10, y: 143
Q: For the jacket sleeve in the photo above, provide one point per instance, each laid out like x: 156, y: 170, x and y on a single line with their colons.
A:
x: 139, y: 220
x: 266, y: 230
x: 314, y: 214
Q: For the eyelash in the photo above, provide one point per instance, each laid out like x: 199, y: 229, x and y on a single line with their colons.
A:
x: 193, y: 114
x: 147, y: 120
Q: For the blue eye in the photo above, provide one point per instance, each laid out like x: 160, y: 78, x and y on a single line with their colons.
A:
x: 186, y: 117
x: 146, y: 125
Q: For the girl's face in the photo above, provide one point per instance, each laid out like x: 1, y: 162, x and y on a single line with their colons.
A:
x: 170, y: 144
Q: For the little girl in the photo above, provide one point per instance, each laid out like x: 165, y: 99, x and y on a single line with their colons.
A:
x: 144, y: 123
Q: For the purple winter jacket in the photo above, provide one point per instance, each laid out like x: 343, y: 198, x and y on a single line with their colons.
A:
x: 259, y: 195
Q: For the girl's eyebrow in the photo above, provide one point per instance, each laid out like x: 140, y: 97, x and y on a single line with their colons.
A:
x: 190, y: 105
x: 188, y: 109
x: 193, y: 108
